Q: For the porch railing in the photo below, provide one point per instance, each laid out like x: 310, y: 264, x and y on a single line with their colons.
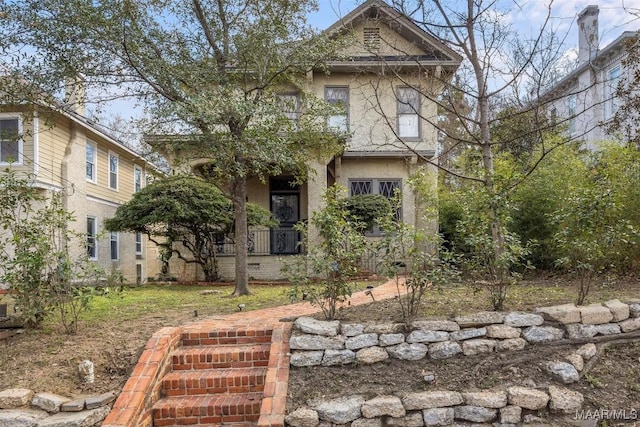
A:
x: 275, y: 241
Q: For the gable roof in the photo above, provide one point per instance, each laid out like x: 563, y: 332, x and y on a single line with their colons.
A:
x: 438, y: 53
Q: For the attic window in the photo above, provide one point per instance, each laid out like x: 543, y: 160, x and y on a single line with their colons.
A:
x: 372, y: 39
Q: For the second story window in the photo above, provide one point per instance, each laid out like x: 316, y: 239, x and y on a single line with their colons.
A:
x: 92, y: 156
x: 10, y: 141
x: 137, y: 179
x: 338, y: 97
x: 408, y: 107
x: 611, y: 87
x: 113, y: 171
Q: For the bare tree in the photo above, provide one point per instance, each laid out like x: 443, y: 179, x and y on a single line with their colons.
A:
x: 501, y: 99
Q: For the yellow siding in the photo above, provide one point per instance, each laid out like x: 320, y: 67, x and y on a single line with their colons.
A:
x: 53, y: 138
x: 391, y: 43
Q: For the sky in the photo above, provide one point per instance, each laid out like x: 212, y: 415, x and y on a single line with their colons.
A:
x: 527, y: 17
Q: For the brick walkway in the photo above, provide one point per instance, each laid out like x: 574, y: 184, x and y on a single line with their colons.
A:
x: 275, y: 314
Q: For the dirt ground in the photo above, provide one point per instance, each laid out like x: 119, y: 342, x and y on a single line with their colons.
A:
x: 47, y: 360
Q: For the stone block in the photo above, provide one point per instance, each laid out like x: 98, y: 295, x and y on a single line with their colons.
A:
x: 383, y: 406
x: 351, y: 329
x: 444, y: 350
x: 361, y: 341
x: 476, y: 414
x: 564, y: 401
x: 481, y: 318
x: 595, y: 314
x: 48, y: 402
x: 371, y: 355
x: 302, y: 417
x: 578, y: 330
x: 527, y: 398
x: 407, y: 351
x: 342, y: 410
x: 540, y: 334
x: 487, y: 399
x: 521, y: 320
x: 478, y: 346
x: 338, y: 357
x: 634, y: 309
x: 385, y: 340
x: 76, y: 419
x: 630, y: 325
x: 367, y: 422
x: 576, y: 360
x: 412, y: 419
x: 420, y: 336
x: 306, y: 358
x: 384, y: 328
x: 565, y: 313
x: 431, y: 399
x: 513, y: 344
x: 100, y: 400
x: 510, y: 414
x: 15, y: 398
x: 587, y: 351
x: 608, y: 329
x: 469, y: 333
x: 502, y: 332
x: 436, y: 325
x: 619, y: 310
x: 312, y: 326
x: 438, y: 417
x: 565, y: 372
x: 316, y: 342
x: 21, y: 417
x: 75, y: 405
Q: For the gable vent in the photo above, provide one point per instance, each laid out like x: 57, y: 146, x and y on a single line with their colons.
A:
x: 372, y: 39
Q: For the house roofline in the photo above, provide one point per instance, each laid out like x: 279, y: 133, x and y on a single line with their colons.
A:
x: 408, y: 28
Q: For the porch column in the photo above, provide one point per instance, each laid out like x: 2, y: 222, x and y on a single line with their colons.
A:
x: 316, y: 187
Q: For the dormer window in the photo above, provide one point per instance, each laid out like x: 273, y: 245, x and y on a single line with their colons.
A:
x: 372, y: 39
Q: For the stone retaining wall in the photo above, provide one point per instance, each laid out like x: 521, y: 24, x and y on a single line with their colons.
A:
x: 437, y: 408
x: 329, y: 343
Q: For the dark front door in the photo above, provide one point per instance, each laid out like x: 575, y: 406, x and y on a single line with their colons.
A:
x: 286, y: 209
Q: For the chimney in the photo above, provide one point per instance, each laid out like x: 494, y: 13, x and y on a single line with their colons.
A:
x: 75, y: 95
x: 588, y: 34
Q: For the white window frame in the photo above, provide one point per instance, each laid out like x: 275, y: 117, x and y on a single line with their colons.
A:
x: 613, y: 76
x: 18, y: 118
x: 338, y: 122
x: 137, y: 178
x: 114, y: 245
x: 139, y: 240
x: 92, y: 235
x: 94, y: 162
x: 112, y: 173
x: 403, y: 115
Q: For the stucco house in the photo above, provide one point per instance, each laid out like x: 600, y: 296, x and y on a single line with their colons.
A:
x: 386, y: 118
x: 59, y: 150
x: 585, y: 99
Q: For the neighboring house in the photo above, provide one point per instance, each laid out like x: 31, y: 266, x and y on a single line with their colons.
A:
x: 61, y: 151
x: 585, y: 99
x: 387, y: 121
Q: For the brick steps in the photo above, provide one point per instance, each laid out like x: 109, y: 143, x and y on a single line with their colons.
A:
x: 209, y: 357
x: 217, y: 378
x: 214, y: 381
x: 243, y: 409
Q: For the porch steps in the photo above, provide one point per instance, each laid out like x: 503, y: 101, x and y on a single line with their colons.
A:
x: 217, y: 378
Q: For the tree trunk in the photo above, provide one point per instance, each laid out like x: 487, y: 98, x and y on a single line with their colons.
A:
x: 241, y: 232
